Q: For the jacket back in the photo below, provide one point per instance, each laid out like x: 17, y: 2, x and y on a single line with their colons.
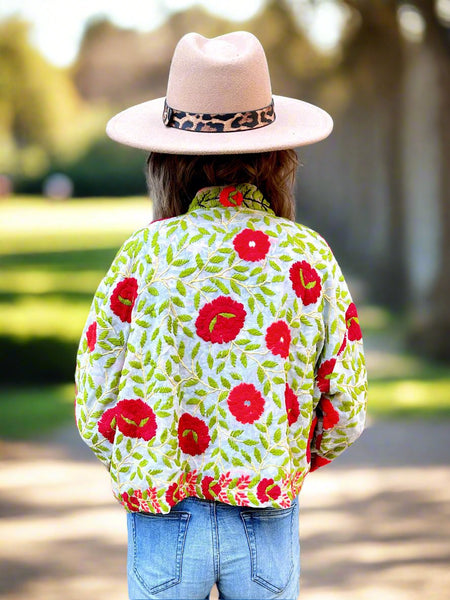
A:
x: 221, y: 358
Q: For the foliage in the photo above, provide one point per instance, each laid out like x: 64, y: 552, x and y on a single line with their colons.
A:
x: 39, y: 101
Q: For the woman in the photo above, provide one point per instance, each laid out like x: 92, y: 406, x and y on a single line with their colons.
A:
x: 222, y: 358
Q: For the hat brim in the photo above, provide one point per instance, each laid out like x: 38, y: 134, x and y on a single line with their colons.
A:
x: 297, y: 123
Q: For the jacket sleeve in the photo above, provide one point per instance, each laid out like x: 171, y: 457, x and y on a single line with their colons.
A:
x: 340, y: 374
x: 101, y: 351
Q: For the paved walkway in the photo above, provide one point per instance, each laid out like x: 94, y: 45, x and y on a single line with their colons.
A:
x: 373, y: 526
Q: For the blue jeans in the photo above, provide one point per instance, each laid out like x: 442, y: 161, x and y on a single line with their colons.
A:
x: 247, y: 552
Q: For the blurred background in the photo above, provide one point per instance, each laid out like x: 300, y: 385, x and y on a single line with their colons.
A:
x: 377, y: 189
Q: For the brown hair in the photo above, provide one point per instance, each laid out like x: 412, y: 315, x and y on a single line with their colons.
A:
x: 174, y: 179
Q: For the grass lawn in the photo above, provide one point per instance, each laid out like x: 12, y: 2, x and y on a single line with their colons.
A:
x: 53, y: 257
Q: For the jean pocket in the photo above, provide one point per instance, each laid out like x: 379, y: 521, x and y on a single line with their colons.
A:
x: 270, y: 534
x: 157, y: 551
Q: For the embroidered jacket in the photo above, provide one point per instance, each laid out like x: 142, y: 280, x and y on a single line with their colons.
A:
x: 222, y: 358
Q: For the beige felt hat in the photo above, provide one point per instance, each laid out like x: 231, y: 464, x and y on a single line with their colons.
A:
x: 219, y: 101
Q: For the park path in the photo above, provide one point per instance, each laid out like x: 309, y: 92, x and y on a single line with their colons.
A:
x: 373, y: 525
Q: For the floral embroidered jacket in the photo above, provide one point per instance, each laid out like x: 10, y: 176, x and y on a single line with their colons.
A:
x: 221, y: 358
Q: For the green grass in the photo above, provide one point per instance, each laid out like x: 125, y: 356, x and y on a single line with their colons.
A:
x: 54, y: 255
x: 410, y: 398
x: 31, y: 413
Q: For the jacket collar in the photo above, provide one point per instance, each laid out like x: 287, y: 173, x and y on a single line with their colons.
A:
x: 240, y: 196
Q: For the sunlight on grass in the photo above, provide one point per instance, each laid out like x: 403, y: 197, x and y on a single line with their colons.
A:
x: 418, y: 398
x: 37, y: 317
x: 34, y: 281
x: 29, y: 224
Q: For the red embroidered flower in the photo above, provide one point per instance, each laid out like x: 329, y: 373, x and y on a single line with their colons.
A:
x: 91, y: 336
x: 292, y: 405
x: 172, y: 494
x: 278, y: 338
x: 310, y: 437
x: 245, y: 403
x: 230, y: 196
x: 305, y: 282
x: 136, y: 419
x: 132, y: 502
x: 207, y: 488
x: 123, y: 298
x: 352, y: 321
x: 267, y: 490
x: 343, y: 345
x: 324, y: 375
x: 221, y: 320
x: 330, y: 414
x: 318, y: 461
x: 251, y: 245
x: 108, y: 423
x: 193, y: 435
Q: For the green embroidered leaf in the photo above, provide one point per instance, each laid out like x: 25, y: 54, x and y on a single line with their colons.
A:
x: 234, y: 286
x: 221, y: 367
x: 225, y: 382
x: 269, y: 363
x: 254, y: 332
x: 188, y: 271
x: 264, y: 441
x: 236, y: 462
x: 275, y: 265
x: 239, y: 277
x: 222, y: 287
x: 177, y: 301
x: 267, y: 291
x: 212, y: 383
x: 277, y: 451
x: 252, y: 347
x: 180, y: 262
x: 261, y: 375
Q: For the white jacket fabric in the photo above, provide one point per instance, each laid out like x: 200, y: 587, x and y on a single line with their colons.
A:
x: 222, y: 358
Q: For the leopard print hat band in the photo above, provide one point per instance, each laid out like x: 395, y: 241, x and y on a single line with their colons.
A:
x: 218, y: 123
